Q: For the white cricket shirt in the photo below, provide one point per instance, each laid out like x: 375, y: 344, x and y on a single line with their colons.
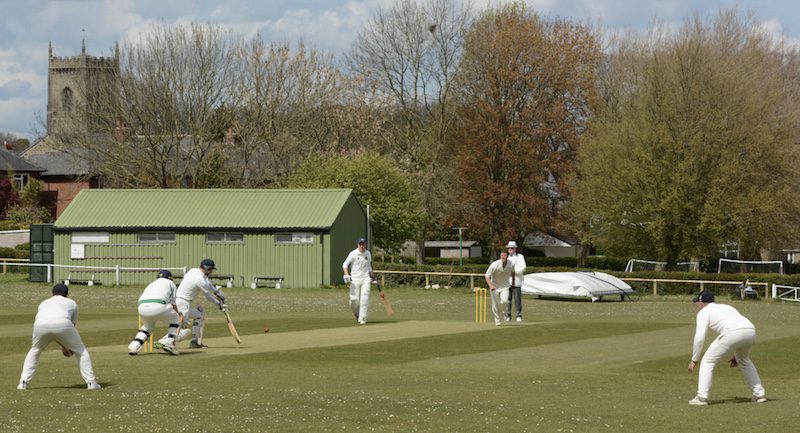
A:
x: 360, y: 264
x: 720, y: 318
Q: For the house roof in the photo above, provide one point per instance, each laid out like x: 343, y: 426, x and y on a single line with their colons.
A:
x: 110, y: 209
x: 449, y: 244
x: 57, y: 157
x: 11, y: 162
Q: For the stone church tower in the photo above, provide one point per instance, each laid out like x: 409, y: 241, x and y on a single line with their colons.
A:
x: 70, y: 89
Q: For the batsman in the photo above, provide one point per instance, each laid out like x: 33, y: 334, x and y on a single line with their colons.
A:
x: 196, y: 280
x: 358, y: 274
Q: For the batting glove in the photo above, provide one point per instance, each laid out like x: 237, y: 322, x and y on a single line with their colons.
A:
x: 223, y: 306
x: 220, y: 295
x: 347, y: 279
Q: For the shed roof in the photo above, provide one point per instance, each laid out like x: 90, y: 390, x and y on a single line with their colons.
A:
x: 110, y: 209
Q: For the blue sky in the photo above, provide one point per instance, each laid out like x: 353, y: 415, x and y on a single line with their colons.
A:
x: 26, y: 27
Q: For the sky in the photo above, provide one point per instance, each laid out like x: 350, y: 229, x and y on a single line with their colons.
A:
x: 27, y: 27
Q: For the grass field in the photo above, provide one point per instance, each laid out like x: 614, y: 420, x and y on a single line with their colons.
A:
x: 570, y: 367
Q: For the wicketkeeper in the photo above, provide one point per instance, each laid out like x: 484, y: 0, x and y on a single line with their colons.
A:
x: 157, y: 303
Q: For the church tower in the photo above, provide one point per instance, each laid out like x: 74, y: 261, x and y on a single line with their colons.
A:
x: 70, y: 89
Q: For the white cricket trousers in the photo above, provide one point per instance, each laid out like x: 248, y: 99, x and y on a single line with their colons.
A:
x: 499, y: 298
x: 739, y: 341
x: 153, y: 312
x: 191, y: 314
x: 64, y: 333
x: 359, y: 297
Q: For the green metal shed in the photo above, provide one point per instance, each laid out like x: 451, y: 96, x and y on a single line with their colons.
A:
x: 300, y: 235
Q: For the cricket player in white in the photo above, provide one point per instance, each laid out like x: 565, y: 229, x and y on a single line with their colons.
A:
x: 358, y: 273
x: 736, y: 334
x: 55, y: 321
x: 157, y: 303
x: 498, y: 277
x: 517, y: 279
x: 196, y: 280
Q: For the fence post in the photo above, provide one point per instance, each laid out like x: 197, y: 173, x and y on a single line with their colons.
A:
x: 472, y: 283
x: 701, y: 286
x: 49, y: 273
x: 383, y: 279
x: 655, y: 287
x: 427, y: 281
x: 4, y: 267
x: 117, y: 266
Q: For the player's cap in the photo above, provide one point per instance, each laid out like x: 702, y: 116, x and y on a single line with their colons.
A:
x: 164, y: 274
x: 706, y: 296
x: 362, y: 241
x: 511, y: 244
x: 60, y: 289
x: 207, y: 264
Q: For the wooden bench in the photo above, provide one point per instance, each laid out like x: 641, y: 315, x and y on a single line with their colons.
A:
x: 265, y: 281
x: 91, y: 281
x: 223, y: 278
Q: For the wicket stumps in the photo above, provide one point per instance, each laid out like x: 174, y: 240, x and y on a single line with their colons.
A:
x: 148, y: 345
x: 480, y: 305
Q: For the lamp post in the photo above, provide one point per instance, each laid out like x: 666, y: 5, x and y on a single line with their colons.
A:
x: 460, y: 249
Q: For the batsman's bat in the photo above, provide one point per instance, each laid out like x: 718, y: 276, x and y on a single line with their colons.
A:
x: 386, y: 305
x: 231, y: 327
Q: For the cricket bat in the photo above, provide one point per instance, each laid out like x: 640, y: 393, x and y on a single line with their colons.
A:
x: 386, y: 305
x: 231, y: 327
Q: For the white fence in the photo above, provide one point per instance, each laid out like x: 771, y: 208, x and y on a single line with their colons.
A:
x: 90, y: 271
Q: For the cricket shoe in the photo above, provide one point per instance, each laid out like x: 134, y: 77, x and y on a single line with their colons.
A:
x: 22, y: 385
x: 362, y: 322
x: 762, y: 399
x: 93, y: 386
x: 698, y: 401
x: 171, y: 349
x: 519, y: 318
x: 195, y: 345
x: 134, y: 348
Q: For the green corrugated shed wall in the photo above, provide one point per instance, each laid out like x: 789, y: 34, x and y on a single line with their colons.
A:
x: 335, y: 217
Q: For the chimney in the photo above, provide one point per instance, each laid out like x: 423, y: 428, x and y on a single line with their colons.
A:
x: 8, y: 145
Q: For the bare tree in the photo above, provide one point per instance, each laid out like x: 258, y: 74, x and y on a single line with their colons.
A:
x: 407, y: 58
x: 154, y: 120
x: 286, y: 107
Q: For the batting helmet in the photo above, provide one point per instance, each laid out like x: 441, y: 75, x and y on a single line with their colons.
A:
x: 207, y: 264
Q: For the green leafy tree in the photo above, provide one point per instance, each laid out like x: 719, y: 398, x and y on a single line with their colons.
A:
x: 378, y: 183
x: 27, y: 210
x: 694, y: 144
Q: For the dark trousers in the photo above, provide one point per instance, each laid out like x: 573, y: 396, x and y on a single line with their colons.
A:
x: 515, y: 295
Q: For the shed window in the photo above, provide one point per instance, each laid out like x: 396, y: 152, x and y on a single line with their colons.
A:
x: 294, y: 238
x: 225, y: 237
x: 156, y: 236
x: 91, y: 238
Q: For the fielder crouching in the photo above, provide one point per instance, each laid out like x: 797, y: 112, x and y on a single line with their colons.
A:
x: 196, y: 280
x: 55, y: 321
x: 736, y: 334
x: 157, y: 303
